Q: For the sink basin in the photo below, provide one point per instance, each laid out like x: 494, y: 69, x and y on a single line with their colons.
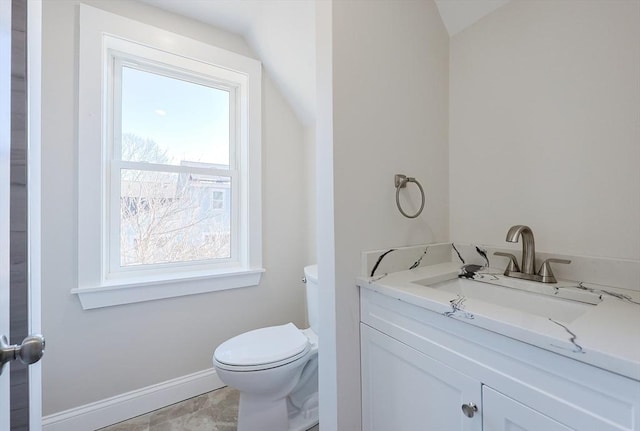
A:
x: 552, y: 307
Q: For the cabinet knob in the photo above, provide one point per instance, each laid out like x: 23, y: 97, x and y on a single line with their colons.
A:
x: 469, y: 409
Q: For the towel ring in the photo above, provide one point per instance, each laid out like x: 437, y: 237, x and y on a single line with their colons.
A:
x: 401, y: 182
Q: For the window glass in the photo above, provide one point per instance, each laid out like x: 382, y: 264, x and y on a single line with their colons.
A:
x: 172, y: 121
x: 173, y: 217
x: 217, y: 199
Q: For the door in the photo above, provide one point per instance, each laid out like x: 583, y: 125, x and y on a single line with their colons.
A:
x: 5, y: 163
x: 19, y: 213
x: 502, y: 413
x: 406, y: 390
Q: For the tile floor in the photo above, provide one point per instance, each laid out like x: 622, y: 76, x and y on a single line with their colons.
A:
x: 213, y: 411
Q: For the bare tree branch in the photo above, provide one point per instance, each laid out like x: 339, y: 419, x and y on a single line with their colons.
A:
x: 168, y: 217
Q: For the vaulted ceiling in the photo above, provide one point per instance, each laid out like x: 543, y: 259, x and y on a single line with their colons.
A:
x: 460, y: 14
x: 282, y: 34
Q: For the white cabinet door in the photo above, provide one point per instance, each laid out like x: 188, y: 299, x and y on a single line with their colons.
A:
x: 405, y: 390
x: 502, y: 413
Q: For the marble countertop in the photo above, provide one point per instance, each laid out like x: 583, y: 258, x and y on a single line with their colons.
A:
x: 607, y: 335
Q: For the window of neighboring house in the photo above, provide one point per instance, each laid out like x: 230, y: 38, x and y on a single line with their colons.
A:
x: 169, y: 164
x: 217, y: 200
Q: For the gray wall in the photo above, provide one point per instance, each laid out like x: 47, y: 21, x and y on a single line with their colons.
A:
x: 119, y: 349
x: 388, y: 78
x: 545, y: 130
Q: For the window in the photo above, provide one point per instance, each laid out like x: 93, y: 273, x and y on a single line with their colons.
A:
x: 169, y: 164
x: 217, y: 199
x: 172, y: 147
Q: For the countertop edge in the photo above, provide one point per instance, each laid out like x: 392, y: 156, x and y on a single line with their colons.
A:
x: 569, y: 340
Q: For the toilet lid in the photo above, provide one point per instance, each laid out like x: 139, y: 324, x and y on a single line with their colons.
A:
x: 262, y: 346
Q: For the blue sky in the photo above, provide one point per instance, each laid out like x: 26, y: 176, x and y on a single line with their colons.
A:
x: 190, y: 120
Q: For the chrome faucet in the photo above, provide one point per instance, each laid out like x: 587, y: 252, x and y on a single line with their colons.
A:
x: 528, y: 262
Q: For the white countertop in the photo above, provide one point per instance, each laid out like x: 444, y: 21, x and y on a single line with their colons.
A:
x: 606, y: 336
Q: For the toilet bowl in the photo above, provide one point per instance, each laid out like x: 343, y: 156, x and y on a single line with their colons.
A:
x: 276, y: 371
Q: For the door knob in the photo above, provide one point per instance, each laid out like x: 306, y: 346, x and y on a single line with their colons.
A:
x: 29, y: 352
x: 469, y: 409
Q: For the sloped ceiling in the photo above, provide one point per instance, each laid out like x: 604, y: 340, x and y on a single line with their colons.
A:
x: 282, y: 34
x: 460, y: 14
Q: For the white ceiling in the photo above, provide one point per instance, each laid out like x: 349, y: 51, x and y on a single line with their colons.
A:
x: 282, y: 34
x: 460, y: 14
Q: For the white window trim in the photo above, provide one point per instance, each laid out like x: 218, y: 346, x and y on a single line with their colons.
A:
x: 100, y: 32
x: 138, y: 56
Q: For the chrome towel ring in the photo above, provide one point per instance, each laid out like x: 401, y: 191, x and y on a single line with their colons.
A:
x: 401, y: 182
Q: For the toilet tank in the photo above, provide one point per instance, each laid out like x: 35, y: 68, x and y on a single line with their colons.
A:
x: 311, y: 277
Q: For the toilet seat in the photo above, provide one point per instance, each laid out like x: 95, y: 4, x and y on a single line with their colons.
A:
x: 262, y: 348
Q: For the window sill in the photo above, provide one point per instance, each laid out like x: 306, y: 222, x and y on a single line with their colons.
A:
x: 149, y: 289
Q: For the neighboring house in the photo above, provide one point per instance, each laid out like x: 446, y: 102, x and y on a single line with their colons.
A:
x: 168, y: 217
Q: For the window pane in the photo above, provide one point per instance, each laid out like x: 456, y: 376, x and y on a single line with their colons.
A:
x: 172, y: 121
x: 170, y: 217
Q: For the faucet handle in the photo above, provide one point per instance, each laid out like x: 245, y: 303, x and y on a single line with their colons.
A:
x: 513, y: 263
x: 545, y: 270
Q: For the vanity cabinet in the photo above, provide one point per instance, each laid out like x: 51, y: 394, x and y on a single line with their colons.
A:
x: 404, y: 389
x: 419, y: 368
x: 501, y: 413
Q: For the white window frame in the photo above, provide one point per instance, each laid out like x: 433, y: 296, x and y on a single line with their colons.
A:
x: 106, y: 41
x: 120, y: 54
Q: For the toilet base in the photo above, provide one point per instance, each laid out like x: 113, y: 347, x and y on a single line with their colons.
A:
x: 262, y: 414
x: 302, y: 425
x: 276, y: 415
x: 305, y: 418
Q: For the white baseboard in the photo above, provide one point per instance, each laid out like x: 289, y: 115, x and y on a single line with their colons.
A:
x: 135, y: 403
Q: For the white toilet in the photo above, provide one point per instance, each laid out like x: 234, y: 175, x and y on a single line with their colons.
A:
x: 276, y: 371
